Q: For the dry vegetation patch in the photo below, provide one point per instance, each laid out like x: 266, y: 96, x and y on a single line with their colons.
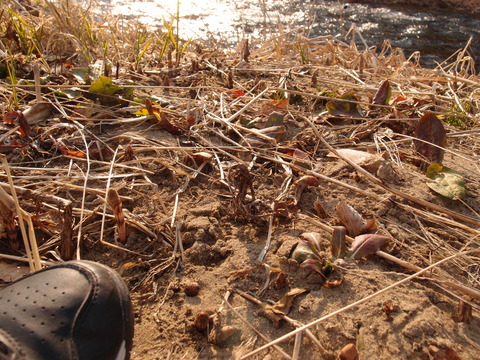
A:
x: 194, y: 172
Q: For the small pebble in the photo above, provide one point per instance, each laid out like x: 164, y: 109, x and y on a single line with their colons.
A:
x: 191, y: 288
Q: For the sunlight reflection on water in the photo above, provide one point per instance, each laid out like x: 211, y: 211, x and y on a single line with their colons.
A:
x: 435, y: 34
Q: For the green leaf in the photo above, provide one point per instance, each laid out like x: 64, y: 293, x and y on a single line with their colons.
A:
x: 301, y: 158
x: 446, y: 182
x: 344, y: 106
x: 433, y: 170
x: 104, y: 86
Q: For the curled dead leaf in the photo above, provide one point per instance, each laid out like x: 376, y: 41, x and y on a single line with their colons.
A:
x: 10, y: 117
x: 38, y: 112
x: 352, y: 220
x: 163, y: 120
x: 274, y: 105
x: 114, y: 201
x: 302, y: 183
x: 282, y: 306
x: 285, y: 208
x: 240, y: 177
x: 368, y: 161
x: 432, y: 138
x: 301, y: 158
x: 198, y: 158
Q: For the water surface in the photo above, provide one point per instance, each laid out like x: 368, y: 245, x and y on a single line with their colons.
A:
x: 436, y: 34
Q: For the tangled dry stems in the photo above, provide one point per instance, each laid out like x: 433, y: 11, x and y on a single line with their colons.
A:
x: 127, y: 156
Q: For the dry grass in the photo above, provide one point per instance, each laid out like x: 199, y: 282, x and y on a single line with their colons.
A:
x: 87, y: 148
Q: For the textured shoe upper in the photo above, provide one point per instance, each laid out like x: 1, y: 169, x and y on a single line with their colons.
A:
x: 78, y: 310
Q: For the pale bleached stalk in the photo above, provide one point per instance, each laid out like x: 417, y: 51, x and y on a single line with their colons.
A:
x: 110, y: 173
x: 30, y: 242
x: 297, y: 346
x: 22, y: 259
x: 263, y: 253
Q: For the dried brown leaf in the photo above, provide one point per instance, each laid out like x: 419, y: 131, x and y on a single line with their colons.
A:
x: 281, y: 281
x: 464, y: 312
x: 430, y: 130
x: 302, y: 183
x: 301, y: 158
x: 352, y: 220
x: 285, y: 208
x: 10, y: 117
x: 7, y: 219
x: 274, y: 105
x: 114, y: 201
x: 38, y: 112
x: 282, y: 306
x: 384, y: 93
x: 198, y: 158
x: 24, y: 127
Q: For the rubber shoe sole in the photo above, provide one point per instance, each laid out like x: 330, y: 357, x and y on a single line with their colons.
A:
x: 75, y: 310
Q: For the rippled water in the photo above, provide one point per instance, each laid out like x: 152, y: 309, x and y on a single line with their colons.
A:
x: 435, y: 34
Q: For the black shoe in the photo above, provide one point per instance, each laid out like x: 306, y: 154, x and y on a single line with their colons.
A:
x: 75, y: 310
